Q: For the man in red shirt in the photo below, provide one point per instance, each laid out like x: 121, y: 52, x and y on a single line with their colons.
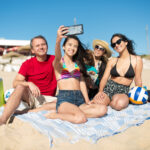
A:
x: 35, y: 82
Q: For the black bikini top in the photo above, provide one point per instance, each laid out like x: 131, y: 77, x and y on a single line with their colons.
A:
x: 129, y: 74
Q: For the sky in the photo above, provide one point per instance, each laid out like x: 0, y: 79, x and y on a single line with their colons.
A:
x: 24, y: 19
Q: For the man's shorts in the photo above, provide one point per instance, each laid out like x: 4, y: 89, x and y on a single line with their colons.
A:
x: 36, y: 102
x: 113, y: 88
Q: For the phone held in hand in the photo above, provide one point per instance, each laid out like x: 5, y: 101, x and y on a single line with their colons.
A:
x: 75, y: 29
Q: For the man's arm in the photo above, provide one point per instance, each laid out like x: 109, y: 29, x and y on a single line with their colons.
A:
x: 20, y: 80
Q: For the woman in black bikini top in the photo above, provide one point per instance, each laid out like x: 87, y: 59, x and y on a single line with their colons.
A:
x: 129, y: 74
x: 119, y: 74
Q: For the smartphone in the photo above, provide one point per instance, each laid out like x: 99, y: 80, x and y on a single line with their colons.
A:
x: 75, y: 29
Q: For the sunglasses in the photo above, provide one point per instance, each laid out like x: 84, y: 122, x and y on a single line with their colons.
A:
x: 100, y: 48
x: 117, y: 42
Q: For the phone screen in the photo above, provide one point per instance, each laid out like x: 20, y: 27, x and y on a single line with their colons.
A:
x: 75, y: 29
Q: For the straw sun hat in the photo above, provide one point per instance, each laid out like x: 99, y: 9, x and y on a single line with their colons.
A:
x: 104, y: 45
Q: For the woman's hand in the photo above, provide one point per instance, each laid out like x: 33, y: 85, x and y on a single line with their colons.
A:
x: 89, y: 103
x: 62, y: 30
x: 99, y: 98
x: 91, y: 72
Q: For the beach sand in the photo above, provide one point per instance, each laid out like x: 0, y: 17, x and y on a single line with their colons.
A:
x: 17, y: 135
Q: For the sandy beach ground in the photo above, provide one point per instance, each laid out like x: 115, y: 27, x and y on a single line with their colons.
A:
x: 18, y: 133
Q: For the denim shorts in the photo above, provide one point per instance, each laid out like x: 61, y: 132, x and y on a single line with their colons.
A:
x: 71, y: 96
x: 113, y: 88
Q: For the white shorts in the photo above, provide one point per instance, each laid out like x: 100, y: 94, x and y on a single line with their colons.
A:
x: 36, y: 102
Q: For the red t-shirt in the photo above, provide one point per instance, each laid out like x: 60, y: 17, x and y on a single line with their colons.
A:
x: 41, y: 74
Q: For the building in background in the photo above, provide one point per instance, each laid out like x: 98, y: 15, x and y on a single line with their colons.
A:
x: 16, y: 46
x: 13, y: 53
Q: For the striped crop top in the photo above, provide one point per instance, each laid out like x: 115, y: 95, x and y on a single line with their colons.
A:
x: 65, y: 74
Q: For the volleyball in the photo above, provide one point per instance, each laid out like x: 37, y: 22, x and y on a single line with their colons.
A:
x: 8, y: 93
x: 138, y: 95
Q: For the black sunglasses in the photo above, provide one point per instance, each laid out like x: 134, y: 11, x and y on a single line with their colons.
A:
x: 99, y: 48
x: 117, y: 42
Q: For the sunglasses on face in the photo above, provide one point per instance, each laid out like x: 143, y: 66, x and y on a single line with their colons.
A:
x: 100, y: 48
x: 117, y: 42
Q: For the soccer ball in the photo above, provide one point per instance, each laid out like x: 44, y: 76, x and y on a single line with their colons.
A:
x: 138, y: 95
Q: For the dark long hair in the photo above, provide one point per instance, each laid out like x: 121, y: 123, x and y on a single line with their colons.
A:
x: 78, y: 57
x: 130, y: 44
x: 89, y: 60
x: 102, y: 67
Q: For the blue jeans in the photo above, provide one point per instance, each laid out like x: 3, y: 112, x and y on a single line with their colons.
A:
x: 71, y: 96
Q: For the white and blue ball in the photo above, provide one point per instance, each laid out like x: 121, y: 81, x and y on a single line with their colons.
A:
x: 22, y: 105
x: 138, y: 95
x: 8, y: 93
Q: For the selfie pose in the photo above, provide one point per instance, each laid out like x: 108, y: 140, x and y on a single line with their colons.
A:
x: 120, y: 71
x: 73, y: 103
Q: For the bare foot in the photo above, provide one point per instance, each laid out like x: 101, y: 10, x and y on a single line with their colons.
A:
x: 51, y: 115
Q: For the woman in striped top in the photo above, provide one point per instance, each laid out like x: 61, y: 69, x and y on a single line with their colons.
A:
x: 73, y: 103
